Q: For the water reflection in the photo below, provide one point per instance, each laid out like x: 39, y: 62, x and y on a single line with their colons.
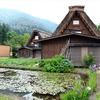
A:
x: 28, y: 96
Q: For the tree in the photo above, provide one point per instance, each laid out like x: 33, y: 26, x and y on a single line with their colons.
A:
x: 22, y: 39
x: 11, y: 35
x: 26, y: 37
x: 4, y: 28
x: 99, y: 26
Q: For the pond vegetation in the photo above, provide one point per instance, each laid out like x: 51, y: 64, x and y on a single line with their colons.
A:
x: 10, y: 73
x: 19, y: 63
x: 66, y: 82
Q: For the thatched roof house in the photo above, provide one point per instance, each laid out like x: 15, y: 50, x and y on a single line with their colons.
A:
x: 33, y: 49
x: 74, y: 37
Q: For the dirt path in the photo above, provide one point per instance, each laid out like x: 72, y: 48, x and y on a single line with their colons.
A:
x: 94, y: 95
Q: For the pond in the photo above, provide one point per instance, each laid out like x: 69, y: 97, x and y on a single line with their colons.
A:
x: 36, y: 84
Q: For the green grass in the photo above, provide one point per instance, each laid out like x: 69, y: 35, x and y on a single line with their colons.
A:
x: 98, y: 96
x: 19, y: 63
x: 5, y: 98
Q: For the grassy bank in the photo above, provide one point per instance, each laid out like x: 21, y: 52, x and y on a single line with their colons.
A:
x: 5, y: 98
x: 19, y: 63
x: 81, y: 92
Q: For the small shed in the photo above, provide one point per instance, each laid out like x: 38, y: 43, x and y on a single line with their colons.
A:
x: 74, y: 37
x: 33, y: 49
x: 4, y: 51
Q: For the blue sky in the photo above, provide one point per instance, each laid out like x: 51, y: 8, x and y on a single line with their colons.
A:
x: 53, y: 10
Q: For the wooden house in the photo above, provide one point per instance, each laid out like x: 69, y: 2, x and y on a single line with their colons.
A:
x: 33, y: 49
x: 4, y: 51
x: 74, y: 37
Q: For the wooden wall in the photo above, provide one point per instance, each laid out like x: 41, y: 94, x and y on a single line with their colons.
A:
x: 80, y: 27
x: 53, y: 47
x: 82, y: 39
x: 25, y: 53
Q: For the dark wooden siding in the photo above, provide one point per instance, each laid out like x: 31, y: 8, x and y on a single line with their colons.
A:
x: 25, y: 53
x: 75, y: 53
x: 52, y: 47
x: 96, y: 53
x: 81, y: 39
x: 80, y: 27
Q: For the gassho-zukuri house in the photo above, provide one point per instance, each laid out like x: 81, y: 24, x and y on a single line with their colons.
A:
x: 33, y: 49
x: 74, y: 37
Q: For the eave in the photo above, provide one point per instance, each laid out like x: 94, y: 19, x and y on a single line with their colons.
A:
x: 67, y: 35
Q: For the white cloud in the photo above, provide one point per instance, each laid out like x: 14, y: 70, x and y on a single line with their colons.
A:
x: 53, y: 10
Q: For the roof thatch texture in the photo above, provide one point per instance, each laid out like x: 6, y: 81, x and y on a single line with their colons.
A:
x: 40, y: 33
x: 86, y: 20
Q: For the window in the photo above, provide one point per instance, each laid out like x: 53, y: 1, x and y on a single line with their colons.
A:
x: 32, y: 43
x: 75, y: 22
x: 36, y: 44
x: 76, y: 31
x: 36, y: 37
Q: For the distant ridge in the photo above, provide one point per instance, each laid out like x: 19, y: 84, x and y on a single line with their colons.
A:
x: 22, y: 22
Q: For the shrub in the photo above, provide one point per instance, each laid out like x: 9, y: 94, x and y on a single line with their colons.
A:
x: 89, y: 60
x: 56, y: 64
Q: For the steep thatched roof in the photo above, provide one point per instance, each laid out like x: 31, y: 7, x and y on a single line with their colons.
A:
x: 84, y: 17
x: 40, y: 33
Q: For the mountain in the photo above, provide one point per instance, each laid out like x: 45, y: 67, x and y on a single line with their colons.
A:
x: 22, y: 22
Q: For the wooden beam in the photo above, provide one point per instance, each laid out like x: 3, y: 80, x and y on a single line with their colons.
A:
x: 85, y: 44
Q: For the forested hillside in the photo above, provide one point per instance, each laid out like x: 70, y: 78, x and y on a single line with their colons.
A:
x: 21, y: 22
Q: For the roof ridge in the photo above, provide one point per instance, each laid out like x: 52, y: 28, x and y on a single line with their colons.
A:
x: 37, y: 30
x: 76, y: 8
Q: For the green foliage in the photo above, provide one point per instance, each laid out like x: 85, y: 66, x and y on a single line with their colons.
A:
x: 57, y: 64
x: 16, y: 41
x: 98, y: 96
x: 4, y: 28
x: 89, y: 59
x: 92, y: 80
x: 76, y: 94
x: 19, y: 63
x: 98, y: 26
x: 11, y: 35
x: 25, y: 37
x: 81, y: 93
